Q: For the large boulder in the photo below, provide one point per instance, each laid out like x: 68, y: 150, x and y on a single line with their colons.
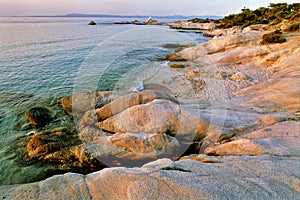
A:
x: 38, y: 116
x: 77, y: 104
x: 281, y: 139
x: 158, y: 116
x: 122, y: 103
x: 130, y: 149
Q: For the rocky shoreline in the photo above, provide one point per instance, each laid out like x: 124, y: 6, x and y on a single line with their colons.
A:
x: 246, y: 144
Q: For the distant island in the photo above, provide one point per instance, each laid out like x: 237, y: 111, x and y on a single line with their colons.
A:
x: 131, y: 16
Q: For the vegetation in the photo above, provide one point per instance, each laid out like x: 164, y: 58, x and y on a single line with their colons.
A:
x: 274, y: 37
x: 197, y: 20
x: 175, y: 168
x: 293, y: 28
x: 273, y: 14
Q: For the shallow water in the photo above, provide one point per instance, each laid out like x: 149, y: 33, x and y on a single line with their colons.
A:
x: 44, y: 59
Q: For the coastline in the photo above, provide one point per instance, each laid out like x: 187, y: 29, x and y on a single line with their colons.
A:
x: 260, y: 81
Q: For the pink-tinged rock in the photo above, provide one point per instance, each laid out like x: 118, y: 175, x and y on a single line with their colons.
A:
x: 158, y: 116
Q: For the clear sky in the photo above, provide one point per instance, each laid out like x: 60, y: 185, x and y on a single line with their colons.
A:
x: 130, y: 7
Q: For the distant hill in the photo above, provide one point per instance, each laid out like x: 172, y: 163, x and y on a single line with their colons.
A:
x: 138, y: 16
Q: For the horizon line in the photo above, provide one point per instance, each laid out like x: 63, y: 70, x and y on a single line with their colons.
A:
x: 111, y: 15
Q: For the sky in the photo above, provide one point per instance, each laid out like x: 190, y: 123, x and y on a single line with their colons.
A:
x: 130, y: 7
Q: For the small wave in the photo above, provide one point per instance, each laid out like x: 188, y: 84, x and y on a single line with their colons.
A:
x: 139, y: 86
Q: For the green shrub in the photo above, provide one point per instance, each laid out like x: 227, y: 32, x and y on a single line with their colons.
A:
x: 274, y: 37
x: 293, y: 28
x: 175, y: 168
x: 273, y: 14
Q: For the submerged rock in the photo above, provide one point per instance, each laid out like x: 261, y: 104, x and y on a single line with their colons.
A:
x: 38, y: 116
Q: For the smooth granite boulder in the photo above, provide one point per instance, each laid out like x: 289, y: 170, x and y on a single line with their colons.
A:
x: 77, y: 104
x: 158, y: 116
x: 122, y: 103
x: 130, y: 149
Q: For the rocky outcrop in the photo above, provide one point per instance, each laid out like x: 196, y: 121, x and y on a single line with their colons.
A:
x: 38, y: 116
x: 247, y: 177
x: 257, y: 156
x: 122, y: 103
x: 281, y: 139
x: 131, y: 149
x: 158, y: 116
x: 62, y: 146
x: 79, y: 103
x: 188, y: 25
x: 175, y: 58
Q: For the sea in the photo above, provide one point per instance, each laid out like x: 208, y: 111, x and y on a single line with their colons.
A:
x: 43, y: 59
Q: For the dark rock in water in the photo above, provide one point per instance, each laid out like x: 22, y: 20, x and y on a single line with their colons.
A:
x: 92, y: 23
x: 119, y: 22
x: 38, y: 116
x: 62, y: 146
x: 175, y: 58
x: 177, y: 45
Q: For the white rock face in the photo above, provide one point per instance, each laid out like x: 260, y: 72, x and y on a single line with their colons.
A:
x: 246, y: 177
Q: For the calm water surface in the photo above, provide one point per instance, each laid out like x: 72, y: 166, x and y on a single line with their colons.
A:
x: 40, y: 59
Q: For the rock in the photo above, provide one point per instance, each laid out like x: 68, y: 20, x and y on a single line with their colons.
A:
x: 275, y: 90
x: 207, y: 34
x: 281, y: 129
x: 122, y: 103
x: 45, y: 144
x: 38, y: 116
x: 278, y: 140
x: 90, y: 133
x: 239, y: 76
x: 177, y: 66
x: 78, y: 104
x: 62, y: 147
x: 177, y: 45
x: 131, y: 149
x: 201, y: 158
x: 158, y: 116
x: 246, y: 177
x: 189, y: 25
x: 144, y: 143
x: 92, y: 23
x: 67, y: 186
x: 175, y: 58
x: 270, y: 119
x: 120, y: 22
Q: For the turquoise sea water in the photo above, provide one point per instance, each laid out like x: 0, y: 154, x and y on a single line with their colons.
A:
x: 41, y: 59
